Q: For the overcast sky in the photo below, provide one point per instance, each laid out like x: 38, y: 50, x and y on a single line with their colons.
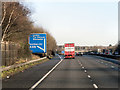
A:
x: 83, y: 23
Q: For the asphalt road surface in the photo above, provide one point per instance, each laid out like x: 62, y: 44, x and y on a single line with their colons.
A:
x: 81, y: 72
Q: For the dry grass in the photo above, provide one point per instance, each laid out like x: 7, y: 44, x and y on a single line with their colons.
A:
x: 13, y: 71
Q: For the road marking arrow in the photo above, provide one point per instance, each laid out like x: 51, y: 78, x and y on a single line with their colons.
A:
x: 42, y: 48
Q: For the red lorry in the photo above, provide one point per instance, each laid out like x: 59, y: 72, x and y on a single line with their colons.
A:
x: 69, y: 49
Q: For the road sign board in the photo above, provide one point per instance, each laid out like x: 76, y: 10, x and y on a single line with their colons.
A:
x: 63, y: 52
x: 37, y: 42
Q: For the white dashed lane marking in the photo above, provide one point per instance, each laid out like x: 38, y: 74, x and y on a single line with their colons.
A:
x: 85, y: 71
x: 83, y: 67
x: 95, y: 86
x: 112, y: 67
x: 89, y: 76
x: 106, y: 64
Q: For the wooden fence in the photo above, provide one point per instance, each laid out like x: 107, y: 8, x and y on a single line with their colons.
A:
x: 9, y: 53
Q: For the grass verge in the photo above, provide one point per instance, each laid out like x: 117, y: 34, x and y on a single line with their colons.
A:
x: 11, y: 72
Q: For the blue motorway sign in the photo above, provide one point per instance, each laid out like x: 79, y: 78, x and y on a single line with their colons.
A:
x: 37, y: 42
x: 63, y: 52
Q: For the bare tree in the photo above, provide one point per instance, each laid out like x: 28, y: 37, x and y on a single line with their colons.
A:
x: 51, y: 44
x: 13, y: 15
x: 16, y: 27
x: 4, y: 13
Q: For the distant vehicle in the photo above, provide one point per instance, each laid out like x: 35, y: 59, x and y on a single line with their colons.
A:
x: 116, y: 53
x: 79, y: 54
x: 107, y: 52
x: 69, y: 50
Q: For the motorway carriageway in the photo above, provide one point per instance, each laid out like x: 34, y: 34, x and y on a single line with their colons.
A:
x: 81, y: 72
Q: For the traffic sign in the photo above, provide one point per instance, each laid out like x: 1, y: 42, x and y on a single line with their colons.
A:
x: 63, y: 52
x: 37, y: 42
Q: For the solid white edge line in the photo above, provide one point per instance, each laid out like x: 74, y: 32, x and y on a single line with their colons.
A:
x: 36, y: 84
x: 95, y: 86
x: 59, y: 57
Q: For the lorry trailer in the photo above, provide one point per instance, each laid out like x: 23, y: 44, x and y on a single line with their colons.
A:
x: 69, y: 50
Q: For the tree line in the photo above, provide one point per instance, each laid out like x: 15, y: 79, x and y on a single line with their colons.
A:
x: 17, y: 26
